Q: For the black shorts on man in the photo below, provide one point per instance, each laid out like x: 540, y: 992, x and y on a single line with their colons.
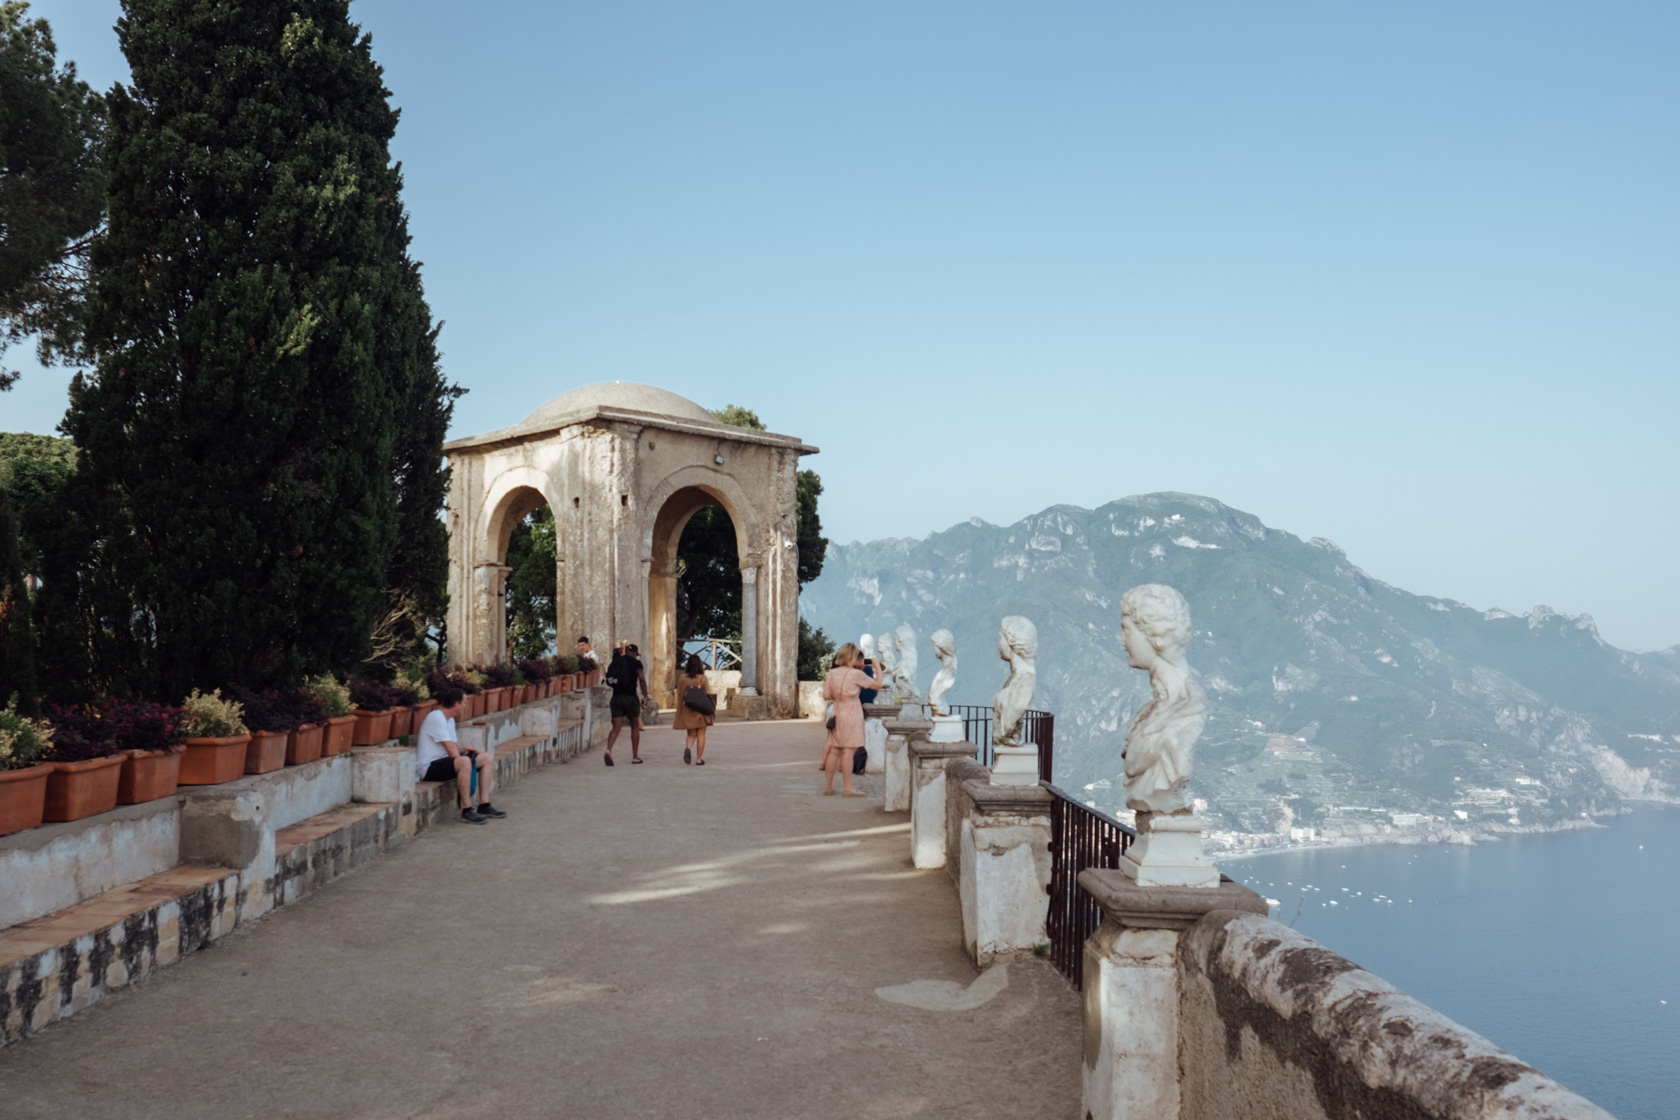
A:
x: 626, y: 707
x: 443, y: 769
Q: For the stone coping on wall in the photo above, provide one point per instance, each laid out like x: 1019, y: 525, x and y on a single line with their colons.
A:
x: 1269, y: 1015
x: 56, y: 865
x: 1164, y: 907
x: 924, y: 749
x: 988, y: 798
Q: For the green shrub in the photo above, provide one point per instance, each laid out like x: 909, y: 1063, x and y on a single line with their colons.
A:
x: 211, y: 717
x: 333, y: 694
x: 23, y: 741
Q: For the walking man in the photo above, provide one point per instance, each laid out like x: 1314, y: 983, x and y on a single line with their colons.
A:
x: 629, y: 686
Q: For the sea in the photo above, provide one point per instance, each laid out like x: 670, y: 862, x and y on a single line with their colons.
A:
x: 1563, y: 949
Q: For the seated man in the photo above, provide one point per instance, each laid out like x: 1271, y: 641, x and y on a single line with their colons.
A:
x: 441, y: 758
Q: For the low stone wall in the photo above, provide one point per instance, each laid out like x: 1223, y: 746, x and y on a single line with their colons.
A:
x: 58, y: 865
x: 1274, y: 1024
x: 97, y: 912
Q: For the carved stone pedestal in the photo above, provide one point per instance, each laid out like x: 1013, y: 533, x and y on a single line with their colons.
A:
x: 1168, y: 853
x: 927, y: 798
x: 946, y: 729
x: 1003, y: 869
x: 1015, y: 766
x: 896, y: 775
x: 1132, y: 990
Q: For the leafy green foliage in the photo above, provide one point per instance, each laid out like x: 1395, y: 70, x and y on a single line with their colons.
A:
x: 816, y: 649
x: 260, y: 467
x: 17, y: 635
x: 813, y: 546
x: 737, y: 417
x: 531, y: 588
x: 52, y: 186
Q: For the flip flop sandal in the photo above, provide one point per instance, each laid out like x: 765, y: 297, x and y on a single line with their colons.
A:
x: 635, y: 762
x: 702, y: 762
x: 608, y: 757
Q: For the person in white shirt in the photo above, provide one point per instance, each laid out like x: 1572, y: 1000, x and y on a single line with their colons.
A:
x: 441, y: 759
x: 587, y: 659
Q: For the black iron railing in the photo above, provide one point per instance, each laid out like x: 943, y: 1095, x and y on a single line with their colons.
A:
x: 1038, y: 727
x: 1080, y: 837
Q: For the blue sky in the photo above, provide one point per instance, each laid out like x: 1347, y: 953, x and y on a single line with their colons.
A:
x: 1403, y: 276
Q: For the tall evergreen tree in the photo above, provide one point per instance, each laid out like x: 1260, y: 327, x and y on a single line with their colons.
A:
x: 267, y: 402
x: 17, y: 637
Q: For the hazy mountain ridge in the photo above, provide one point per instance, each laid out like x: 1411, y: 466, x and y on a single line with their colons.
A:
x: 1339, y: 702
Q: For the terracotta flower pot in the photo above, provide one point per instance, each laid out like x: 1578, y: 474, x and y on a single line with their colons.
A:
x: 372, y: 728
x: 565, y: 682
x: 266, y: 751
x: 23, y: 796
x: 212, y: 761
x: 400, y: 721
x: 303, y: 744
x: 421, y: 711
x: 492, y: 700
x: 339, y: 734
x: 148, y: 775
x: 81, y: 789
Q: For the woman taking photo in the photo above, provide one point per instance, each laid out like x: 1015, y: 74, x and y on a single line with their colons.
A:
x: 841, y: 688
x: 690, y: 720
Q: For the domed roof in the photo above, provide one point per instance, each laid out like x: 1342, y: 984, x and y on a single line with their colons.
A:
x: 619, y: 394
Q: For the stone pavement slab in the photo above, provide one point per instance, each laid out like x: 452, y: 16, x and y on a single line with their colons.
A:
x: 659, y: 940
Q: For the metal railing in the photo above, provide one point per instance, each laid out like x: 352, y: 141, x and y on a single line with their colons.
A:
x: 1038, y: 727
x: 1080, y: 837
x: 715, y: 653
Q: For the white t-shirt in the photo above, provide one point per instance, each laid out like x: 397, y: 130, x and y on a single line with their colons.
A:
x: 435, y: 730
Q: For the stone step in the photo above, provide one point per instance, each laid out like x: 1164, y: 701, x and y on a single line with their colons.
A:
x: 56, y: 965
x: 314, y: 852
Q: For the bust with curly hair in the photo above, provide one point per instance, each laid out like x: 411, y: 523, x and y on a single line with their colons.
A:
x: 1161, y: 742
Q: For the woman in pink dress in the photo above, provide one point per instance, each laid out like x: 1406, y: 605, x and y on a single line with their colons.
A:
x: 841, y: 688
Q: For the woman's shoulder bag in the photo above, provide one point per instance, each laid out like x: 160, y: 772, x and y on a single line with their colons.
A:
x: 697, y: 699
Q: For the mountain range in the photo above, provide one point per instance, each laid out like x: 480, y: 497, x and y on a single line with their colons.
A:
x: 1342, y: 709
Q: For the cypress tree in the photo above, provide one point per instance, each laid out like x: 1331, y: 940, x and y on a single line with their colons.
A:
x: 264, y: 353
x: 17, y: 637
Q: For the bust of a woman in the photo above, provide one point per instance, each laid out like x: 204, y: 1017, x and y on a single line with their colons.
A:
x: 944, y: 648
x: 1161, y: 742
x: 1018, y: 645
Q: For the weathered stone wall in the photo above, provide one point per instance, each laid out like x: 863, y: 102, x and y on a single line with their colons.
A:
x: 57, y: 865
x: 1274, y: 1025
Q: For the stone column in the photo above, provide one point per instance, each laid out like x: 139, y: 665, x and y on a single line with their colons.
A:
x: 1004, y: 870
x: 489, y: 636
x: 875, y: 735
x: 896, y: 766
x: 749, y: 631
x: 927, y: 798
x: 1131, y: 991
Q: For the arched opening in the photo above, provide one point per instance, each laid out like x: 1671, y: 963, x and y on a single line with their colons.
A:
x: 518, y: 584
x: 694, y: 590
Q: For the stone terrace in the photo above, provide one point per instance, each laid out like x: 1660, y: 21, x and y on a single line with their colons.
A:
x: 655, y: 940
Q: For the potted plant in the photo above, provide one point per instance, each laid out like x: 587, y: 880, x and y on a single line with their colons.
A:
x: 307, y: 719
x: 333, y: 697
x: 271, y: 715
x: 216, y: 737
x: 413, y: 679
x: 403, y: 700
x: 143, y: 735
x: 372, y: 703
x: 476, y: 686
x: 23, y: 774
x: 538, y: 677
x: 564, y: 667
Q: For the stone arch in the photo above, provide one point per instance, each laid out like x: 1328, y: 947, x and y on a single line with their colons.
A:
x: 513, y: 494
x: 672, y: 504
x: 624, y: 467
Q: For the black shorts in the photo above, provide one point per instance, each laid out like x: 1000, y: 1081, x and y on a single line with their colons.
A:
x: 628, y: 707
x: 443, y: 769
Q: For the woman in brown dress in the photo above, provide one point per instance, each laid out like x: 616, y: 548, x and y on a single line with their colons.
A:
x: 691, y: 722
x: 841, y: 688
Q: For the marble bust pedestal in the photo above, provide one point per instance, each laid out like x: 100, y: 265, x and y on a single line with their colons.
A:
x: 1168, y: 853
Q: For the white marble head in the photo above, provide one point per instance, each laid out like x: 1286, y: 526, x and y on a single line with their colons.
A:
x: 867, y: 645
x: 884, y: 645
x: 1017, y: 639
x: 1154, y: 624
x: 944, y: 644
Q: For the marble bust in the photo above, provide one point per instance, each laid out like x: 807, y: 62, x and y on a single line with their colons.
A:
x: 1161, y: 741
x: 1018, y: 645
x: 889, y: 667
x: 904, y: 645
x: 944, y: 648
